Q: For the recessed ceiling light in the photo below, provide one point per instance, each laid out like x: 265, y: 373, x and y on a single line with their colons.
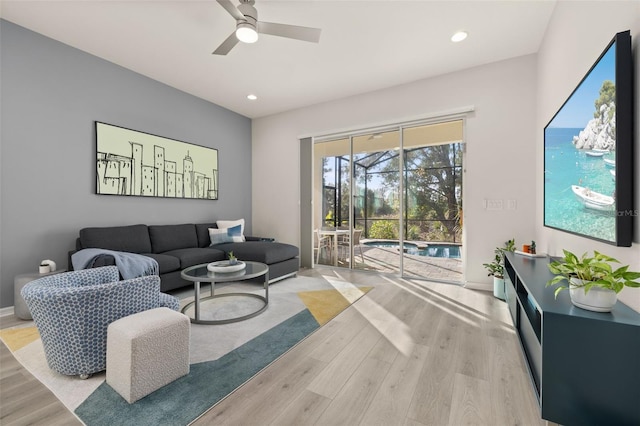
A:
x: 459, y: 36
x: 252, y: 97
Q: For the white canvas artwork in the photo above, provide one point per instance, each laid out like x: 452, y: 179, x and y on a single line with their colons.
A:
x: 140, y: 164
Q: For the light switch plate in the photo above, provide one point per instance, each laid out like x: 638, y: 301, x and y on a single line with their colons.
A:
x: 493, y: 204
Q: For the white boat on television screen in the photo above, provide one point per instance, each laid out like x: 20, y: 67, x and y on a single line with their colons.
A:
x: 594, y: 200
x: 613, y: 173
x: 609, y: 162
x: 595, y: 153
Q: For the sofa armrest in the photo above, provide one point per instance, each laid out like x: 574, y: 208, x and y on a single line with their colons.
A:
x: 69, y: 262
x: 103, y: 260
x: 97, y: 262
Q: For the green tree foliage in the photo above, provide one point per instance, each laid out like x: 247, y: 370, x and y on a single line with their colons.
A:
x: 607, y: 96
x: 434, y: 186
x: 384, y: 230
x: 433, y: 192
x: 413, y: 232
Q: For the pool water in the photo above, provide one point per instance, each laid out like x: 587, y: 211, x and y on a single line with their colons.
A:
x: 435, y: 250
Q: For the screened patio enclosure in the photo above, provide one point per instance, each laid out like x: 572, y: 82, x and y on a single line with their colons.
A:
x: 401, y: 190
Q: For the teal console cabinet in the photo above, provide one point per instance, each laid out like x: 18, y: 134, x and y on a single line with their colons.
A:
x: 584, y: 366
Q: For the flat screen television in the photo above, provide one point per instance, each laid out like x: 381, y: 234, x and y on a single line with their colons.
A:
x: 588, y: 152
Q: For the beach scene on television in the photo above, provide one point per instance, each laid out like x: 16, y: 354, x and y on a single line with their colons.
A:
x: 579, y: 157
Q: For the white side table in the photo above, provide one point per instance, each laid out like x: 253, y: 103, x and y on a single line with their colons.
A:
x: 19, y: 305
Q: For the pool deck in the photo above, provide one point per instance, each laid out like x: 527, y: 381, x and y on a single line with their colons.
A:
x: 387, y: 259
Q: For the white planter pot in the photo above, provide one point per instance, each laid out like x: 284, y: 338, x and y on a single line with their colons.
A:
x: 598, y: 299
x: 498, y: 288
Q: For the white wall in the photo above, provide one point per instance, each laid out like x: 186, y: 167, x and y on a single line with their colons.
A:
x: 577, y: 33
x: 500, y: 161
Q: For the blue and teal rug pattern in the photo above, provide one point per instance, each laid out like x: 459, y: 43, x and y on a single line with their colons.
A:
x: 181, y: 401
x: 222, y: 357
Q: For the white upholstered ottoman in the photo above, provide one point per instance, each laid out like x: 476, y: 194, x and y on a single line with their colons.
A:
x: 146, y: 351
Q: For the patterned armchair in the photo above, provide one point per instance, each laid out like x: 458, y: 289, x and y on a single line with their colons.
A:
x: 73, y: 310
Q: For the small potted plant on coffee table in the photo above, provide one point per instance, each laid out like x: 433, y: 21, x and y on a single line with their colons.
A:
x: 232, y: 259
x: 592, y: 282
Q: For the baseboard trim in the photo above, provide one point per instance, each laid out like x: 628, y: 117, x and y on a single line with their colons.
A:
x: 5, y: 312
x: 478, y: 286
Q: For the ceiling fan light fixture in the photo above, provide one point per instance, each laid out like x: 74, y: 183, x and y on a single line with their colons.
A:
x: 248, y: 27
x: 459, y: 36
x: 246, y: 33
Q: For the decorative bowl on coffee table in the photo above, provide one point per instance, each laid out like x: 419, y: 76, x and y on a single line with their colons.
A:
x: 223, y: 266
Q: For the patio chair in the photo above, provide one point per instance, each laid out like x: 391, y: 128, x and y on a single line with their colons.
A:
x: 321, y: 242
x: 343, y: 238
x: 357, y: 233
x: 72, y: 311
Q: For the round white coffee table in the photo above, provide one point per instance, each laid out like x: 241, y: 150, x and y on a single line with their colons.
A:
x: 200, y: 274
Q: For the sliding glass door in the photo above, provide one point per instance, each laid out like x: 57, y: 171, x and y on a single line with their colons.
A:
x: 432, y: 172
x: 376, y: 202
x: 391, y: 201
x: 332, y: 189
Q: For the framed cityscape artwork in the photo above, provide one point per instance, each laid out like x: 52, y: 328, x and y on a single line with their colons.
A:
x: 133, y: 163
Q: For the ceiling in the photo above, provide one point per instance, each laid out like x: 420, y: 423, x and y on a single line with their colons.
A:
x: 364, y: 45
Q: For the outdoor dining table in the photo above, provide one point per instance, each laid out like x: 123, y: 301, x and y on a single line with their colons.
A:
x: 334, y: 234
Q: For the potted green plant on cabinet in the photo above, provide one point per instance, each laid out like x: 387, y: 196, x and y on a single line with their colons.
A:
x: 592, y: 281
x: 496, y: 268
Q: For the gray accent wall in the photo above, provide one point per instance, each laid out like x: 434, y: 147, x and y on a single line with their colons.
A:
x: 51, y: 95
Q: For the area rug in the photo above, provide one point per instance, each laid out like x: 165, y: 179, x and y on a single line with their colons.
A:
x: 223, y: 357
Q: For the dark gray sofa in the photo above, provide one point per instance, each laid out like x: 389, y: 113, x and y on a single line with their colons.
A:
x: 176, y: 247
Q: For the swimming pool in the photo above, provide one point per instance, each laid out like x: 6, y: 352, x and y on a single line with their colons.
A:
x: 450, y: 251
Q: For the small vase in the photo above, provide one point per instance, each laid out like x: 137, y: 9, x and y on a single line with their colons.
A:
x: 598, y: 299
x: 233, y: 261
x: 498, y: 288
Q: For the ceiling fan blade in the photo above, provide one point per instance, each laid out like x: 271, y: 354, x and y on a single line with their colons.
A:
x: 290, y: 31
x: 233, y: 11
x: 226, y: 45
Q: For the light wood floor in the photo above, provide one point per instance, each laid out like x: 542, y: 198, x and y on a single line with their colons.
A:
x: 23, y: 399
x: 408, y: 353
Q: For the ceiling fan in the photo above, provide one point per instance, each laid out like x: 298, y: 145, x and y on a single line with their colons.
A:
x: 248, y: 27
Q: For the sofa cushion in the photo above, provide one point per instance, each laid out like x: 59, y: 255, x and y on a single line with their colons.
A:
x: 133, y: 238
x: 202, y: 231
x: 226, y: 235
x: 172, y: 237
x: 260, y: 251
x: 231, y: 223
x: 166, y: 263
x: 196, y: 255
